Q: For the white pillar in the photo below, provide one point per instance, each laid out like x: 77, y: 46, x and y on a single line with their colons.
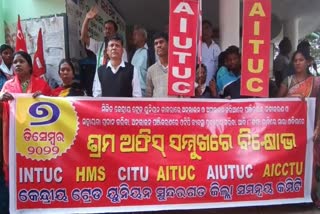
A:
x: 229, y: 23
x: 291, y: 30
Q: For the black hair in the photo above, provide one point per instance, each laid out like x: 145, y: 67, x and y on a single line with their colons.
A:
x: 236, y: 51
x: 304, y: 53
x: 304, y: 46
x: 205, y: 70
x: 116, y: 38
x: 159, y: 35
x: 232, y: 50
x: 221, y: 59
x: 68, y: 61
x: 110, y: 21
x: 285, y: 46
x: 207, y: 22
x: 26, y: 56
x: 5, y: 47
x: 202, y: 65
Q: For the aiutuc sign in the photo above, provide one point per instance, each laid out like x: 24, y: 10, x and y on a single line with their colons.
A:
x: 256, y: 48
x: 182, y: 46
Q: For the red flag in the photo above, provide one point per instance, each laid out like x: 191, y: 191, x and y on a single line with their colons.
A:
x: 20, y: 40
x: 38, y: 58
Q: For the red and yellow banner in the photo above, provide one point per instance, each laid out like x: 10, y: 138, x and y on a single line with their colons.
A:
x: 183, y: 30
x: 256, y: 48
x: 125, y: 155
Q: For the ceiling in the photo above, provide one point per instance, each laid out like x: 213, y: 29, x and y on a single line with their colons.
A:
x: 153, y: 14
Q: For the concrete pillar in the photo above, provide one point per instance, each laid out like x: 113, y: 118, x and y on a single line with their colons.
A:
x: 291, y: 30
x: 229, y: 23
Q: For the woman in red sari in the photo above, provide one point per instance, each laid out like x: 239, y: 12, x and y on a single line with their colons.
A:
x: 303, y: 84
x: 67, y: 75
x: 23, y: 82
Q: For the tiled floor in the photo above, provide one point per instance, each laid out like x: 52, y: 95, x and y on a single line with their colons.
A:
x: 285, y: 209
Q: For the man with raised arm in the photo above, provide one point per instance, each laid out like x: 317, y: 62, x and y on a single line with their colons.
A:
x: 99, y: 47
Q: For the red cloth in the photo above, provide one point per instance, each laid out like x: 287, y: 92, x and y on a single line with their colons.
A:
x: 65, y: 91
x: 57, y: 91
x: 14, y: 86
x: 20, y: 40
x: 38, y: 58
x: 36, y: 84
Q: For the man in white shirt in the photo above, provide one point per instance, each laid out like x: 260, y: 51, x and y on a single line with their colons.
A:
x: 99, y: 47
x: 140, y: 57
x: 210, y: 51
x: 117, y: 78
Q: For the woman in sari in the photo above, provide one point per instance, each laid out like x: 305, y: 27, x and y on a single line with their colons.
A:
x: 68, y: 87
x: 302, y: 84
x: 23, y: 82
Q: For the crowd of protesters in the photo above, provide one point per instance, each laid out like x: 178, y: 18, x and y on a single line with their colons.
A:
x: 144, y: 73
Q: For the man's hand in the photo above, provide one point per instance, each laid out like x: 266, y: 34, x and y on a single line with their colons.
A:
x: 6, y: 96
x: 92, y: 13
x: 36, y: 94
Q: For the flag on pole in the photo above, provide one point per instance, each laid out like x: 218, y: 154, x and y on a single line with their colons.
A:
x: 20, y: 40
x: 38, y: 58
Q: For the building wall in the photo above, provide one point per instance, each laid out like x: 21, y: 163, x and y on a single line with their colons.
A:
x: 27, y: 9
x: 1, y: 24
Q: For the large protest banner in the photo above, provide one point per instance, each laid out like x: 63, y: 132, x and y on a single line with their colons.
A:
x: 110, y: 155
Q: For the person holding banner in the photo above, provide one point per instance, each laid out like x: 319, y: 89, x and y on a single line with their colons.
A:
x: 69, y: 87
x: 23, y: 82
x: 303, y: 84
